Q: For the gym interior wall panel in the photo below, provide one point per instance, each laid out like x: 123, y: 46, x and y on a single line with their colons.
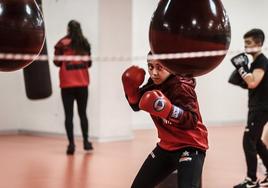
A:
x: 11, y: 84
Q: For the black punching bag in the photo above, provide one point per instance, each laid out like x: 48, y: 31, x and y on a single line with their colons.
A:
x: 181, y: 26
x: 37, y: 75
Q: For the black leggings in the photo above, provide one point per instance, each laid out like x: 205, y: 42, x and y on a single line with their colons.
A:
x: 80, y: 94
x: 160, y: 163
x: 252, y: 142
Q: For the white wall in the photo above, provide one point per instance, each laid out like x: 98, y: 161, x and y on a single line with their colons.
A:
x: 11, y: 93
x: 220, y: 102
x: 113, y: 113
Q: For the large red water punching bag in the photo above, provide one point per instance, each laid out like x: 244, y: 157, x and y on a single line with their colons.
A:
x: 37, y: 75
x: 180, y: 26
x: 21, y: 32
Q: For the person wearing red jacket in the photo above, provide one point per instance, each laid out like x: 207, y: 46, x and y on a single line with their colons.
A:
x: 74, y: 81
x: 172, y: 104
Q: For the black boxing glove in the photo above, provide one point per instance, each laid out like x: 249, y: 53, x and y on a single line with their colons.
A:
x: 236, y: 80
x: 240, y: 62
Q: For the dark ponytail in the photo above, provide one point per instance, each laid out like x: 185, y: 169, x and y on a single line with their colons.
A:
x: 79, y: 43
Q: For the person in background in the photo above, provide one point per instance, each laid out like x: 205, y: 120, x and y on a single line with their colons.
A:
x: 256, y: 79
x: 74, y: 81
x: 172, y: 104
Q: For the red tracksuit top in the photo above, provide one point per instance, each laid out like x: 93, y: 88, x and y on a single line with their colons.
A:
x: 71, y: 73
x: 188, y: 130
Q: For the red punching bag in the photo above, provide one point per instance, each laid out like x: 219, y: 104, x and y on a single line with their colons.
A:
x: 37, y: 75
x: 21, y: 32
x: 180, y: 26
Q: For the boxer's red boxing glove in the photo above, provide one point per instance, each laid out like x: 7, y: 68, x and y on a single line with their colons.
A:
x: 156, y: 103
x: 132, y: 78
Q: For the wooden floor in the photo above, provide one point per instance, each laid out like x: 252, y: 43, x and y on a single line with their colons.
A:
x: 40, y: 161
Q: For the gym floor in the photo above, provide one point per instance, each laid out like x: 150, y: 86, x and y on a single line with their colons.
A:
x: 31, y: 161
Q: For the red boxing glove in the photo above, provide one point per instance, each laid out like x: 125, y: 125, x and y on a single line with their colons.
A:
x: 132, y: 78
x: 156, y: 103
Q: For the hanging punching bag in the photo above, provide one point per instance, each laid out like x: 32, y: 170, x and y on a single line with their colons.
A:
x: 181, y: 26
x: 37, y: 75
x: 21, y: 33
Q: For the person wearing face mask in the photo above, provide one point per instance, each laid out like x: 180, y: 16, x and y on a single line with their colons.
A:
x: 172, y: 104
x: 256, y: 79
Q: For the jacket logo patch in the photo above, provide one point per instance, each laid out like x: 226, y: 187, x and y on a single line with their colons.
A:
x: 182, y: 159
x: 70, y: 66
x: 166, y: 122
x: 185, y: 157
x: 152, y: 155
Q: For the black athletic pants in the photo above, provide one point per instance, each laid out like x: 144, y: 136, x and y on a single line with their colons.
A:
x: 69, y: 95
x: 252, y: 142
x: 161, y: 163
